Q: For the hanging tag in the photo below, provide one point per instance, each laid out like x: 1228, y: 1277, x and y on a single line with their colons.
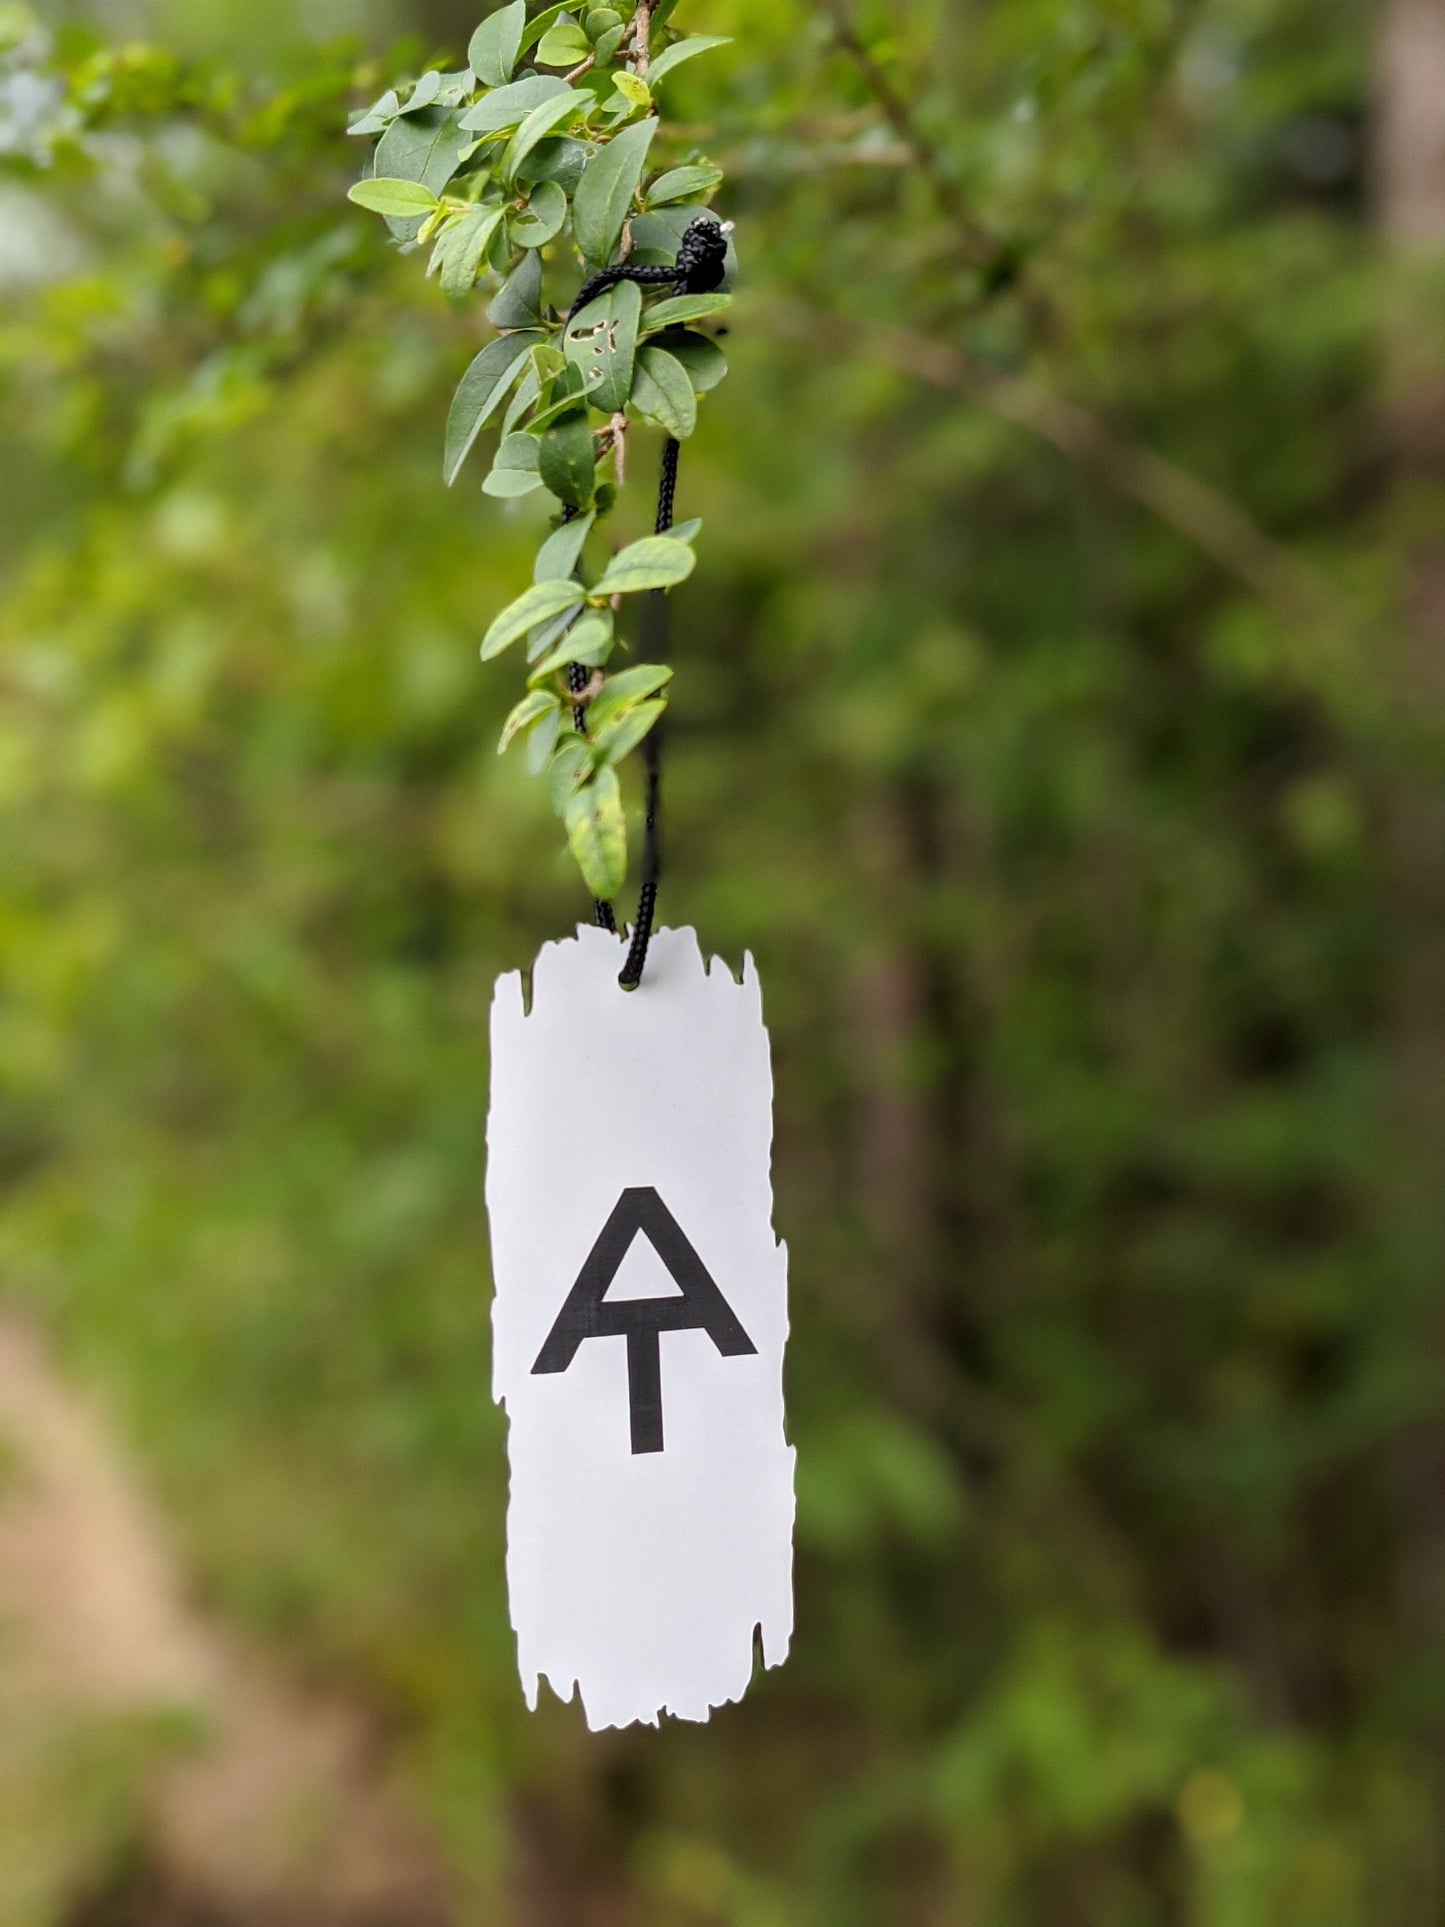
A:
x: 639, y: 1324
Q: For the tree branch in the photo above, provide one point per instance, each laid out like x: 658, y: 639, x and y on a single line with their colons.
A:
x: 1204, y: 517
x: 980, y: 247
x: 641, y: 37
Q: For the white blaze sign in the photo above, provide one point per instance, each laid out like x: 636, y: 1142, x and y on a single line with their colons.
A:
x: 639, y: 1324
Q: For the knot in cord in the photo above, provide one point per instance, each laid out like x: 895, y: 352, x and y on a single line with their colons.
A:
x: 699, y: 268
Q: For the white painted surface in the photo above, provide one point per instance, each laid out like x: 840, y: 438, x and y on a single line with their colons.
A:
x: 639, y: 1577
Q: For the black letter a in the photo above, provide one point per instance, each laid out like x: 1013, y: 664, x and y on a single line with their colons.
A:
x: 640, y: 1320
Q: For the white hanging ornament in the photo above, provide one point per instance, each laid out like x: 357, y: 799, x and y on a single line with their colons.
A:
x: 639, y: 1326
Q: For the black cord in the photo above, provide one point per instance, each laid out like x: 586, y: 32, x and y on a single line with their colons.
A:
x: 655, y: 622
x: 698, y: 269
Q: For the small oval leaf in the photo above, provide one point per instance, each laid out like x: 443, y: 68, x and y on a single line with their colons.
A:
x: 679, y: 309
x: 568, y: 462
x: 705, y: 362
x: 562, y: 46
x: 682, y: 184
x: 496, y: 44
x: 662, y: 391
x: 519, y: 301
x: 538, y: 604
x: 619, y: 693
x: 461, y: 248
x: 597, y: 834
x: 560, y: 553
x: 541, y: 218
x: 632, y: 88
x: 533, y: 706
x: 540, y: 123
x: 510, y: 106
x: 656, y: 562
x: 399, y: 199
x: 682, y: 50
x: 605, y: 191
x: 602, y: 342
x: 481, y: 388
x: 620, y: 737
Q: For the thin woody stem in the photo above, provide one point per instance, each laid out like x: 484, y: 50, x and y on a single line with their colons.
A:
x: 642, y: 37
x: 1205, y: 518
x: 980, y: 247
x: 617, y: 428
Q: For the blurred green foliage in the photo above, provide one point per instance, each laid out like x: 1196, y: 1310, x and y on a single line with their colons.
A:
x: 1057, y: 831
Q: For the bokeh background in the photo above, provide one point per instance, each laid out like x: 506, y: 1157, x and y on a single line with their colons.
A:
x: 1060, y: 721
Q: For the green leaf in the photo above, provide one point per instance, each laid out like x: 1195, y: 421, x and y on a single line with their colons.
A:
x: 705, y: 362
x: 524, y: 396
x: 539, y: 123
x: 534, y: 705
x: 424, y: 92
x: 519, y: 301
x: 497, y: 43
x: 680, y: 308
x: 564, y: 45
x: 566, y: 399
x: 682, y: 50
x: 462, y: 246
x: 597, y: 834
x: 571, y: 765
x: 548, y: 360
x: 400, y: 199
x: 600, y: 20
x: 620, y: 737
x: 481, y: 388
x: 507, y: 484
x: 656, y: 562
x: 542, y: 741
x: 538, y: 604
x: 568, y: 461
x: 514, y: 472
x: 602, y: 342
x: 518, y: 451
x: 589, y: 641
x: 687, y: 531
x: 541, y: 23
x: 620, y: 692
x: 559, y: 158
x: 559, y: 555
x: 377, y: 115
x: 608, y: 43
x: 568, y: 396
x: 632, y: 89
x: 547, y: 634
x: 510, y: 106
x: 605, y: 191
x: 425, y: 147
x: 662, y: 391
x: 682, y: 184
x: 542, y: 217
